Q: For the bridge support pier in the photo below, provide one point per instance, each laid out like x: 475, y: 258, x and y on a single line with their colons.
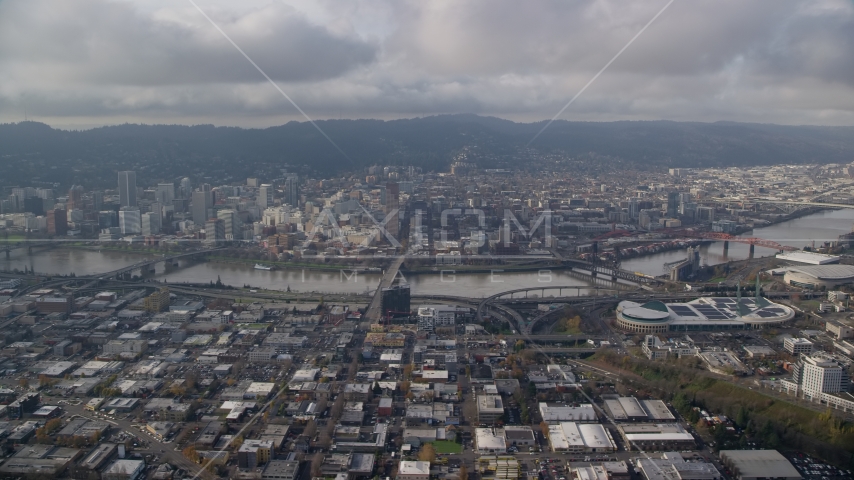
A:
x: 30, y: 251
x: 726, y: 248
x: 8, y: 256
x: 752, y: 250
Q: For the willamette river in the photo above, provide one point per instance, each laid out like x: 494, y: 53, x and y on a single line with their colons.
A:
x: 800, y: 232
x: 88, y: 262
x: 820, y: 227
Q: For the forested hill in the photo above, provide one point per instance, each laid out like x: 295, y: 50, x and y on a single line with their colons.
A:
x: 32, y: 152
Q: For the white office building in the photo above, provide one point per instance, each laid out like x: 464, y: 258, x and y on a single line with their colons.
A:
x: 797, y: 346
x: 130, y: 221
x: 436, y: 316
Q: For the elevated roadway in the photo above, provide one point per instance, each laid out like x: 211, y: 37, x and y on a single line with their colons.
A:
x: 373, y: 313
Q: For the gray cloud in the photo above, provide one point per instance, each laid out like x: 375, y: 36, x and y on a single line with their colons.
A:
x: 96, y: 62
x: 108, y: 43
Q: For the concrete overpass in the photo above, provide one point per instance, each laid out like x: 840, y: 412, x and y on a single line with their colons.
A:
x: 374, y: 313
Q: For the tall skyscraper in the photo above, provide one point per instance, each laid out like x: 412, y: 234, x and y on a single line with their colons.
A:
x: 97, y: 200
x: 265, y: 195
x: 672, y: 204
x: 214, y: 231
x: 186, y: 188
x: 200, y: 207
x: 634, y: 209
x: 165, y: 193
x: 392, y: 205
x: 157, y: 216
x: 202, y: 204
x: 127, y: 189
x: 291, y: 188
x: 57, y: 222
x: 75, y: 198
x: 231, y: 224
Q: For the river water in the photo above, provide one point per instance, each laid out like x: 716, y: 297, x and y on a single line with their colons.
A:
x: 819, y: 227
x: 475, y: 285
x: 800, y: 232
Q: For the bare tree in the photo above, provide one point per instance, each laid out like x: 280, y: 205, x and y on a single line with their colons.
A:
x: 325, y: 438
x: 310, y: 429
x: 337, y: 409
x: 316, y: 462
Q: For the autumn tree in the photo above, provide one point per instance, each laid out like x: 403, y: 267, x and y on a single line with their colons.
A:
x: 191, y: 379
x: 24, y: 383
x: 191, y: 453
x: 544, y: 427
x: 427, y: 453
x: 464, y: 472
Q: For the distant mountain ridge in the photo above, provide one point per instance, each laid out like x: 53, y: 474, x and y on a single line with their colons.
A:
x: 35, y: 151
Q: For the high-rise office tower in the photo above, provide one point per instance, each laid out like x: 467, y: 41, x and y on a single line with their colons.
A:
x: 265, y: 195
x: 130, y: 221
x: 107, y: 219
x: 672, y: 204
x: 127, y: 189
x: 214, y: 231
x: 75, y: 198
x: 392, y: 205
x: 202, y: 204
x: 57, y: 222
x: 291, y: 188
x: 157, y: 216
x: 634, y: 209
x: 165, y: 193
x: 231, y: 224
x: 186, y: 188
x: 97, y: 200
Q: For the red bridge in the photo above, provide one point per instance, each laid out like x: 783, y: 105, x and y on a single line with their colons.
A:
x: 726, y: 237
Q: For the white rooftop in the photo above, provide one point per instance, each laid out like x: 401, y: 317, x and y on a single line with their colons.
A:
x: 808, y: 257
x: 407, y: 467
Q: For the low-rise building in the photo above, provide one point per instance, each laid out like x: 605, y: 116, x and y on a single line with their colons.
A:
x: 575, y: 437
x: 280, y: 470
x: 123, y: 469
x: 797, y: 346
x: 758, y: 465
x: 555, y: 413
x: 519, y: 436
x: 490, y: 408
x: 490, y: 441
x: 659, y: 436
x: 412, y: 470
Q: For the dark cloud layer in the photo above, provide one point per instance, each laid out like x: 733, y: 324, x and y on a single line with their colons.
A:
x: 92, y: 62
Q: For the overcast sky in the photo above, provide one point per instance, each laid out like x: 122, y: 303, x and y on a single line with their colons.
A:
x: 98, y: 62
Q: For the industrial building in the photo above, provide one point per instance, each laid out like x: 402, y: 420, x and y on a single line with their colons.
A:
x: 658, y: 436
x: 758, y: 464
x: 556, y: 413
x: 575, y: 437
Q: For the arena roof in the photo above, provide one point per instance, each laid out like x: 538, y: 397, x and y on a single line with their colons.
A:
x: 826, y: 272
